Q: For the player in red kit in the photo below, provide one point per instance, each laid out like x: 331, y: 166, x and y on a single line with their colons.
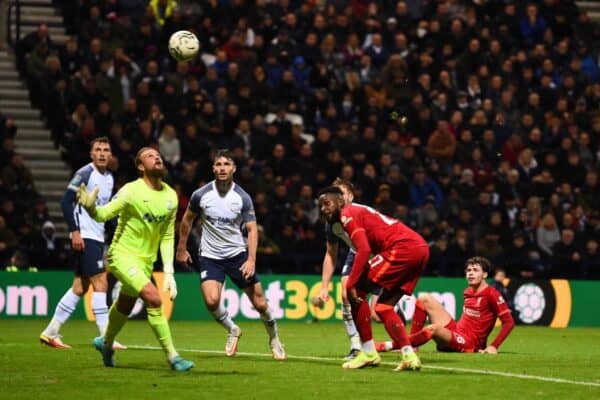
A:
x: 399, y: 258
x: 482, y: 306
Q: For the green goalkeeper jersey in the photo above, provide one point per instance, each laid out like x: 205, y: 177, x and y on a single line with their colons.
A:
x: 146, y: 221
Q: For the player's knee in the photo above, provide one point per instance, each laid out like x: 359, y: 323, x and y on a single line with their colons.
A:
x: 260, y: 304
x: 433, y: 328
x: 154, y: 301
x: 425, y: 298
x: 100, y: 285
x: 80, y: 288
x: 212, y: 302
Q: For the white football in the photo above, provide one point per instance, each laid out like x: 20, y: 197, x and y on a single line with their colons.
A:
x: 183, y: 45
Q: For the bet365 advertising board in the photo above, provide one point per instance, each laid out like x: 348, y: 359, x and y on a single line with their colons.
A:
x: 556, y: 303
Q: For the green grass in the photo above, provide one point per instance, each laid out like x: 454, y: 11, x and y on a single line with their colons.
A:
x: 31, y: 371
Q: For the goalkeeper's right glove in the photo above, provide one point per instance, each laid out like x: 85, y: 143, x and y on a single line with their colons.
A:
x: 169, y: 284
x: 88, y: 199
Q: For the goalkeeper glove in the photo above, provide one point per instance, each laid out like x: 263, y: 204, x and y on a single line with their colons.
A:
x: 169, y: 284
x: 87, y: 199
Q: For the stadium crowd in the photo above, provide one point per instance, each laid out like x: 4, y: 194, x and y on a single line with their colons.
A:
x: 477, y: 123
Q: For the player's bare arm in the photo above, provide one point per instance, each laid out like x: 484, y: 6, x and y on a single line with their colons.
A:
x: 329, y: 262
x: 250, y: 265
x: 185, y: 227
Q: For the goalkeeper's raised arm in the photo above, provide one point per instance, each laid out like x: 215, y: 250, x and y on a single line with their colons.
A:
x: 146, y: 208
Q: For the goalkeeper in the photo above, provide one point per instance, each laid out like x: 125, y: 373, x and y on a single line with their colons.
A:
x: 146, y: 209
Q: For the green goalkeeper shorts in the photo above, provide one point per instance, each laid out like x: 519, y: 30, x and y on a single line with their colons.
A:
x: 133, y: 272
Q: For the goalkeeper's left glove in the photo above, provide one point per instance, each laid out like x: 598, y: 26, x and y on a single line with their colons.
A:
x: 88, y: 199
x: 169, y: 284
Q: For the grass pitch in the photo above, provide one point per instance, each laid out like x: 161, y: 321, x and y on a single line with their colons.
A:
x: 534, y: 362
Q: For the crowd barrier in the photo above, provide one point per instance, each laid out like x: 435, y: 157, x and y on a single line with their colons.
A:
x: 557, y: 303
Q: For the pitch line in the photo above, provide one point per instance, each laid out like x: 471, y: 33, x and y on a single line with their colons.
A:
x: 453, y: 369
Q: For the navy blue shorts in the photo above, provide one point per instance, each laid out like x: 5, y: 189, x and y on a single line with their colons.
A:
x: 90, y: 262
x: 216, y: 270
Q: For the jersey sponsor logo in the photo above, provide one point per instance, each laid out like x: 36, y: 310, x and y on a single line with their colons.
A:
x: 148, y: 217
x: 472, y: 313
x: 220, y: 221
x: 500, y: 300
x: 169, y: 204
x: 235, y: 206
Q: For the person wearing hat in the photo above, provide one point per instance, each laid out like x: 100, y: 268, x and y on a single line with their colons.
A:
x: 47, y: 250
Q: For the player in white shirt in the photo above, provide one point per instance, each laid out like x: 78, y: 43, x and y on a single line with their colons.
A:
x: 87, y: 245
x: 224, y: 207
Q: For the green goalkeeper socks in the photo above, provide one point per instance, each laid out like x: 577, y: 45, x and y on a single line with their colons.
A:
x: 116, y: 320
x: 160, y: 326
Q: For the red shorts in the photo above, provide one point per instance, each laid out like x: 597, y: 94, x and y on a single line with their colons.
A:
x: 460, y: 342
x: 398, y: 269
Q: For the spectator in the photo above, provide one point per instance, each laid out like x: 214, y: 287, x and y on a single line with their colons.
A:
x: 421, y: 187
x: 47, y: 251
x: 374, y: 87
x: 8, y: 243
x: 547, y: 235
x: 566, y: 256
x: 591, y: 261
x: 169, y: 146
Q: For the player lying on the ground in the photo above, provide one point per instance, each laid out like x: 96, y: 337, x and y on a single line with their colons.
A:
x: 482, y: 306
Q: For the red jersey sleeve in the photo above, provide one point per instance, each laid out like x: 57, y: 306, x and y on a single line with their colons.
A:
x: 359, y: 239
x: 500, y: 308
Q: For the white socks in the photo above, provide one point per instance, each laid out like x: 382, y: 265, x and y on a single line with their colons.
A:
x: 64, y: 309
x: 222, y: 317
x: 350, y: 327
x: 100, y: 310
x: 368, y: 346
x: 270, y: 323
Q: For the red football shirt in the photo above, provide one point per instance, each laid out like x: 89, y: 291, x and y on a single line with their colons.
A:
x: 383, y: 232
x: 480, y: 311
x: 373, y: 233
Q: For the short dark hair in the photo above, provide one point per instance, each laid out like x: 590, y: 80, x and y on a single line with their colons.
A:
x: 226, y: 153
x: 345, y: 183
x: 100, y: 139
x: 486, y: 265
x: 331, y: 190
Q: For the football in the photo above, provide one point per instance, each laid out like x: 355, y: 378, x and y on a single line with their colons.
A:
x: 183, y: 45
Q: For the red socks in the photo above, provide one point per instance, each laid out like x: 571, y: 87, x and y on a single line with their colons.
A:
x: 393, y: 324
x: 419, y: 317
x: 362, y: 318
x: 421, y: 337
